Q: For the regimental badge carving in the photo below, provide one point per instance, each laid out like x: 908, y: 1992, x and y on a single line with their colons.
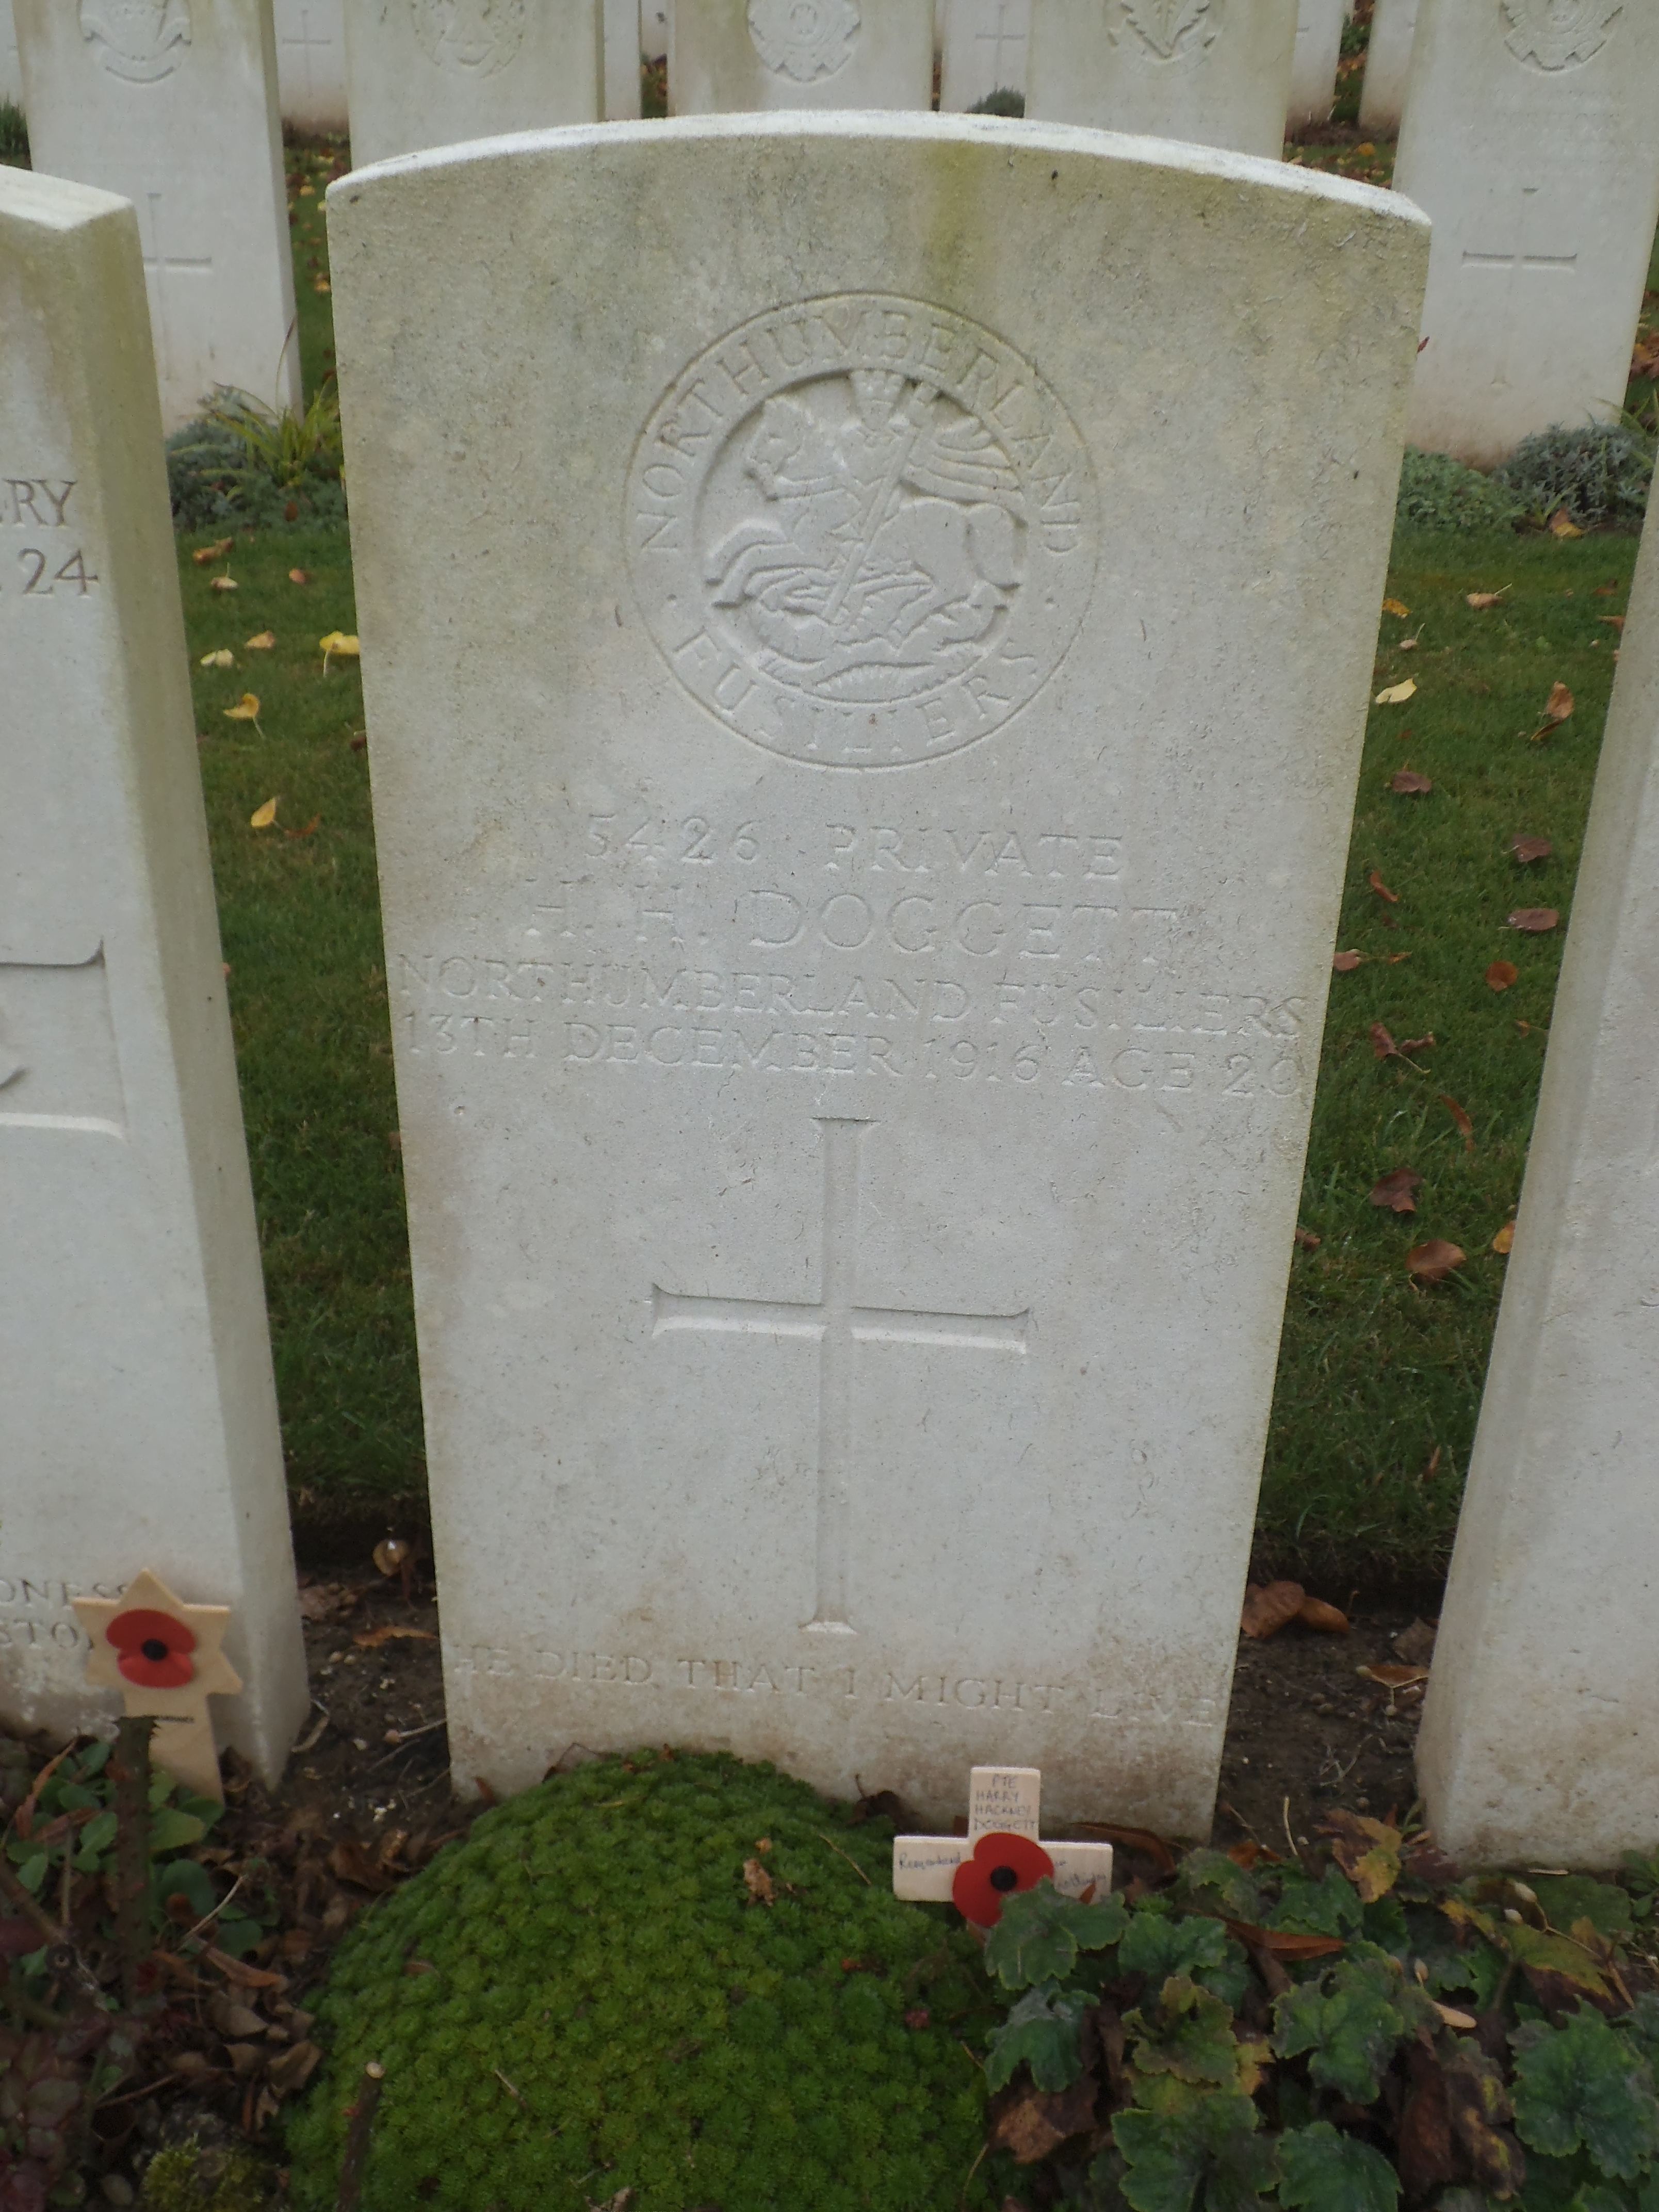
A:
x: 1559, y: 34
x: 1170, y: 29
x: 862, y: 530
x: 141, y: 40
x: 804, y: 39
x: 471, y: 38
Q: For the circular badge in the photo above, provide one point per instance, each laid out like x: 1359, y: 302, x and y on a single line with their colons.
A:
x: 471, y: 38
x: 862, y: 530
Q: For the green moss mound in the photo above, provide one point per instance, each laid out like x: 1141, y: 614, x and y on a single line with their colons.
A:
x: 594, y: 1943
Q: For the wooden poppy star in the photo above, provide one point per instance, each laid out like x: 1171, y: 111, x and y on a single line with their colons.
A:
x: 1000, y: 1856
x: 165, y: 1659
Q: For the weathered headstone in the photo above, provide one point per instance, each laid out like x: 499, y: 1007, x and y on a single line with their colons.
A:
x: 173, y: 106
x: 1002, y: 1801
x: 310, y: 67
x: 135, y: 1401
x: 1528, y: 139
x: 435, y: 72
x: 853, y: 1124
x: 1218, y: 75
x: 11, y: 69
x: 983, y: 51
x: 1314, y: 63
x: 1388, y: 67
x: 1537, y: 1746
x: 622, y: 60
x: 654, y: 30
x: 730, y: 57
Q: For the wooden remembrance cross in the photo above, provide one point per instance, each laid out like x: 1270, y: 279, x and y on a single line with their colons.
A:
x: 1003, y: 1801
x: 837, y: 1325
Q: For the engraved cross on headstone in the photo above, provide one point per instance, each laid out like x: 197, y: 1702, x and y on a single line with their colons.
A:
x: 838, y: 1325
x: 305, y: 43
x: 1512, y: 265
x: 161, y: 267
x: 1003, y: 43
x: 1002, y: 1801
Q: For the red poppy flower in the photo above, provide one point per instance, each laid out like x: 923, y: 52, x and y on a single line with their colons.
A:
x: 154, y: 1649
x: 1000, y: 1868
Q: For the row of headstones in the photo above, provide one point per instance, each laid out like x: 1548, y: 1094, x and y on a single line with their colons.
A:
x: 853, y: 1120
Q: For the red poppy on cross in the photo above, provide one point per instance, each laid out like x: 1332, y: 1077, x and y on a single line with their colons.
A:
x: 1000, y: 1856
x: 165, y: 1658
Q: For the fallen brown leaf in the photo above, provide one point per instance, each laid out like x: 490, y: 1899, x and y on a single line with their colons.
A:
x: 1328, y: 1619
x: 1381, y: 889
x: 1307, y: 1240
x: 1465, y: 1127
x: 1267, y: 1608
x: 1391, y: 1677
x: 1528, y: 849
x: 263, y: 642
x: 1502, y: 974
x: 1426, y: 2155
x: 216, y: 551
x: 1618, y: 621
x: 1282, y: 1944
x: 369, y: 1638
x: 1535, y: 920
x: 1346, y: 963
x: 1504, y: 1240
x: 349, y: 1861
x: 310, y: 829
x: 299, y: 576
x: 1394, y: 1190
x: 224, y: 584
x: 758, y: 1882
x: 244, y: 1976
x: 1563, y: 525
x: 291, y: 2071
x: 1415, y: 1645
x: 1481, y: 600
x: 1557, y: 708
x: 1367, y: 1850
x: 1433, y: 1261
x: 1408, y: 782
x: 1418, y: 1044
x: 1394, y: 607
x: 1032, y: 2122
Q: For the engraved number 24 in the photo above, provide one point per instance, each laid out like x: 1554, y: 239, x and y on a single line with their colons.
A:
x: 74, y: 571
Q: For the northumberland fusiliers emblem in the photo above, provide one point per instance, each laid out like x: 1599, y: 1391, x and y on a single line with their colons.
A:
x: 862, y: 530
x: 804, y: 39
x: 471, y: 38
x: 141, y: 40
x: 1559, y: 34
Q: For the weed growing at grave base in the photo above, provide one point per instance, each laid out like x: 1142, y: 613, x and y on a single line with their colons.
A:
x: 683, y: 1977
x: 1380, y: 1373
x: 14, y: 136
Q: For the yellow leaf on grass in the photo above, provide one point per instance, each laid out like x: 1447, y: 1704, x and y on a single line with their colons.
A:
x: 216, y: 551
x: 1397, y: 694
x: 1504, y: 1240
x: 1562, y: 525
x: 246, y: 708
x: 263, y: 816
x: 224, y: 584
x: 337, y: 644
x: 322, y: 285
x: 1395, y: 607
x: 1481, y: 600
x: 223, y: 659
x: 263, y: 642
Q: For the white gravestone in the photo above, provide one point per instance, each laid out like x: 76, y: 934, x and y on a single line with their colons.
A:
x: 622, y: 60
x: 310, y: 67
x: 1388, y: 67
x: 173, y: 106
x: 740, y: 56
x: 138, y: 1418
x: 984, y: 51
x: 1215, y: 74
x: 1314, y: 63
x: 436, y: 72
x: 1537, y: 1746
x: 11, y: 69
x: 654, y: 30
x: 1002, y: 1801
x: 852, y: 1127
x: 1528, y: 139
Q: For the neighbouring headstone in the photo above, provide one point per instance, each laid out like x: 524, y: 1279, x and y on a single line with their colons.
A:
x: 173, y: 106
x: 622, y: 60
x: 1314, y: 63
x: 863, y: 759
x: 1388, y: 67
x: 730, y: 57
x: 1215, y: 75
x: 311, y: 66
x: 1002, y: 1801
x: 1528, y: 139
x: 11, y: 69
x: 984, y: 46
x: 435, y: 72
x: 654, y: 30
x: 136, y: 1397
x: 1537, y: 1746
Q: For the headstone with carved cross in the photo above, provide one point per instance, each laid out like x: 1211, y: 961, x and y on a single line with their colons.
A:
x: 11, y: 70
x: 166, y: 1658
x: 1215, y: 75
x: 852, y: 1131
x: 993, y: 1860
x: 310, y: 67
x: 736, y: 57
x: 984, y: 43
x: 1529, y: 138
x: 173, y: 105
x: 137, y: 1417
x: 433, y: 72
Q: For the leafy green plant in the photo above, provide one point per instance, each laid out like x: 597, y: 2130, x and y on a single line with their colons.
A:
x: 14, y: 133
x: 1000, y: 103
x: 241, y: 461
x: 1438, y: 493
x: 1598, y: 473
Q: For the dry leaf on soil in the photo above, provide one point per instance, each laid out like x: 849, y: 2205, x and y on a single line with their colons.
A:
x: 1381, y: 888
x: 1408, y: 782
x: 263, y: 816
x: 1397, y: 694
x: 1502, y: 974
x: 1394, y: 607
x: 1433, y: 1261
x: 1391, y: 1677
x: 1481, y: 600
x: 1368, y: 1852
x: 263, y: 642
x: 224, y: 658
x: 1465, y: 1127
x: 1394, y: 1190
x: 1328, y: 1619
x: 1528, y: 849
x: 1030, y: 2123
x: 1268, y: 1609
x: 1535, y: 920
x: 370, y: 1637
x: 1504, y: 1240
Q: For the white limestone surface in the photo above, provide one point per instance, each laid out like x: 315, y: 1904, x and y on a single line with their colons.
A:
x: 138, y: 1417
x: 653, y: 29
x: 311, y: 66
x: 11, y: 69
x: 983, y: 45
x: 1313, y: 67
x: 435, y: 72
x: 1215, y: 75
x: 1529, y: 138
x: 622, y: 60
x: 1537, y: 1746
x: 864, y: 715
x: 1388, y: 67
x: 736, y: 57
x: 174, y: 108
